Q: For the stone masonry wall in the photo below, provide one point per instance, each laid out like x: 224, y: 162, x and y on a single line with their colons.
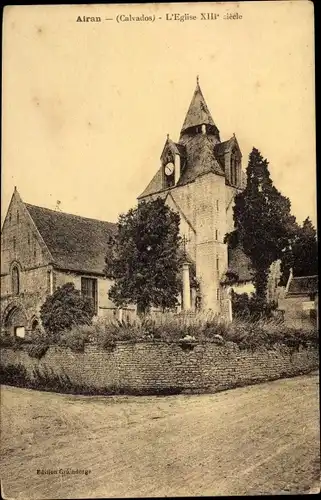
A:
x: 158, y: 366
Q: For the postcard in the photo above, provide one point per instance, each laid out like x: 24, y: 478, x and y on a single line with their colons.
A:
x: 159, y: 274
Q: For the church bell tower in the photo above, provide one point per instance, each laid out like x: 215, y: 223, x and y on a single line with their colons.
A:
x: 198, y: 177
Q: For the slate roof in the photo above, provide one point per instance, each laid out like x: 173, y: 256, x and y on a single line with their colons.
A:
x: 155, y: 185
x: 200, y: 159
x: 175, y: 147
x: 303, y: 285
x: 198, y: 112
x: 75, y: 243
x: 239, y: 266
x: 199, y: 151
x: 223, y: 147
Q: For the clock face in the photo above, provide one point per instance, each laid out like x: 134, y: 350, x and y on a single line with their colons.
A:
x: 169, y: 168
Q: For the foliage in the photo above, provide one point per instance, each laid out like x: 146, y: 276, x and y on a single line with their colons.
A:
x: 46, y: 379
x: 253, y: 331
x: 75, y: 338
x: 16, y: 375
x: 143, y: 257
x: 264, y: 225
x: 302, y: 255
x: 64, y: 309
x: 36, y: 350
x: 251, y: 308
x: 181, y: 329
x: 11, y: 341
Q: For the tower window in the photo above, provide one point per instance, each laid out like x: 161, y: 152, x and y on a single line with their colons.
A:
x: 15, y: 280
x: 216, y: 234
x: 234, y: 170
x: 217, y: 264
x: 229, y: 255
x: 14, y: 243
x: 217, y: 205
x: 17, y: 217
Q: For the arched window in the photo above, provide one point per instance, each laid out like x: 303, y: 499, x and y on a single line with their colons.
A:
x: 15, y: 280
x: 35, y: 325
x: 234, y: 168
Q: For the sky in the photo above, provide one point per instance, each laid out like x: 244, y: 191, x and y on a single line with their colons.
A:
x: 87, y: 105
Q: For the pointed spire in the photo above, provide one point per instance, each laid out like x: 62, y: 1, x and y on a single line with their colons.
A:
x: 198, y: 112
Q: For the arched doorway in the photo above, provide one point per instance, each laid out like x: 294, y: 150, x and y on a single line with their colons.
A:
x: 16, y: 322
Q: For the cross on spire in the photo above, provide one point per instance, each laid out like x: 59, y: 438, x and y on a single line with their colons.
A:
x: 197, y: 79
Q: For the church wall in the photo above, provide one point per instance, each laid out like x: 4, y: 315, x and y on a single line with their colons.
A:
x: 22, y: 246
x: 246, y: 287
x: 19, y: 239
x: 229, y: 202
x: 185, y: 228
x: 203, y: 202
x: 103, y: 285
x: 211, y: 259
x: 33, y: 292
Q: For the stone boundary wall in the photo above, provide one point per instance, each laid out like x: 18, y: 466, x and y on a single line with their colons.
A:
x: 158, y: 366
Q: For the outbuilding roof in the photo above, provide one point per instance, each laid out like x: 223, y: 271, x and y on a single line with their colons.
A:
x: 303, y: 285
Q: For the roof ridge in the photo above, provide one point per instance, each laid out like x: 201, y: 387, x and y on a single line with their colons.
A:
x: 305, y: 277
x: 68, y: 213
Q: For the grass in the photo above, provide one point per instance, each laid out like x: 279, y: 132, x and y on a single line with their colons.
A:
x: 46, y: 379
x: 189, y: 328
x: 183, y: 328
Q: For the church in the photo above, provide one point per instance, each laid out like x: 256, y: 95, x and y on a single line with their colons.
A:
x: 198, y: 177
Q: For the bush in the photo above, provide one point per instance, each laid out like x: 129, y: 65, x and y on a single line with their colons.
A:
x: 251, y: 308
x: 75, y: 338
x: 64, y: 309
x: 184, y: 329
x: 202, y: 327
x: 14, y: 343
x: 36, y: 350
x: 16, y: 375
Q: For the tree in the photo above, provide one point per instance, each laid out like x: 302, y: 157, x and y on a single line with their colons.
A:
x: 64, y: 309
x: 263, y: 222
x: 302, y: 256
x: 143, y: 257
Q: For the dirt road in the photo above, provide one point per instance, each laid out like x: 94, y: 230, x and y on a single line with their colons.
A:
x: 260, y: 439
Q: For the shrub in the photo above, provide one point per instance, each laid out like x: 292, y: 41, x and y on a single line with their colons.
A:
x: 16, y: 375
x: 204, y: 326
x: 75, y: 338
x: 251, y: 308
x: 36, y: 350
x: 64, y: 309
x: 11, y: 341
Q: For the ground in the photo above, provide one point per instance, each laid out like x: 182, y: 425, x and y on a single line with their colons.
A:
x: 258, y: 439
